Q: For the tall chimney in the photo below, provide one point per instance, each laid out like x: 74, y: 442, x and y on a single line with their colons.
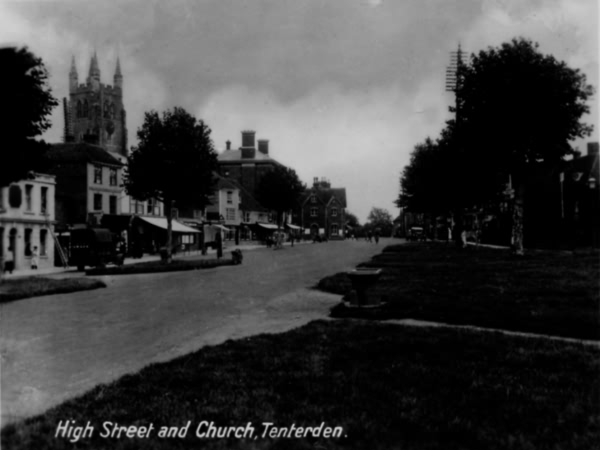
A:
x: 263, y: 146
x: 592, y: 148
x: 228, y: 144
x: 248, y: 149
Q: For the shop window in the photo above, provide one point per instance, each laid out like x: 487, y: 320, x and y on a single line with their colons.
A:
x: 28, y: 234
x: 28, y: 197
x: 44, y: 200
x: 97, y: 202
x: 113, y: 177
x: 97, y: 175
x: 112, y: 204
x: 43, y: 242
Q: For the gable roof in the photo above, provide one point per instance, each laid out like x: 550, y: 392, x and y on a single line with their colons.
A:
x: 235, y: 156
x: 325, y: 195
x: 81, y: 152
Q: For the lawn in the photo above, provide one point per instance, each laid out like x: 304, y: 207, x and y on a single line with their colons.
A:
x: 36, y: 286
x: 386, y: 386
x: 555, y: 293
x: 175, y: 265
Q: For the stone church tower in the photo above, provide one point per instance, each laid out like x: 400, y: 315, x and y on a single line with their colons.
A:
x: 95, y: 111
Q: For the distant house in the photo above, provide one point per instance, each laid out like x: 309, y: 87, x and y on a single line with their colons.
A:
x: 27, y: 221
x: 248, y: 164
x: 323, y: 210
x: 88, y: 183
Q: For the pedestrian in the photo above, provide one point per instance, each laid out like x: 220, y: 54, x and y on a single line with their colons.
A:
x: 377, y: 236
x: 292, y: 238
x: 219, y: 241
x: 35, y: 258
x: 9, y: 261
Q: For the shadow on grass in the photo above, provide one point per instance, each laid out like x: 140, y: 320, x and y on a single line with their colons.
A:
x: 553, y: 293
x: 175, y: 265
x: 387, y: 386
x: 11, y: 290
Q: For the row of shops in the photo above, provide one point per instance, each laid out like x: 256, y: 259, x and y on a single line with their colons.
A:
x: 148, y: 234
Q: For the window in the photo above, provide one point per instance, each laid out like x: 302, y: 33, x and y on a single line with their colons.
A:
x: 28, y: 197
x: 44, y: 200
x: 313, y: 199
x: 112, y: 204
x: 313, y: 212
x: 28, y: 233
x: 334, y: 229
x: 43, y: 242
x: 149, y: 206
x: 1, y: 199
x: 230, y: 213
x: 97, y: 175
x: 97, y: 202
x: 229, y: 197
x: 333, y: 212
x: 113, y: 177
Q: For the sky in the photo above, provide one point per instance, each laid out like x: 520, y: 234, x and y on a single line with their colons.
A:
x: 343, y: 89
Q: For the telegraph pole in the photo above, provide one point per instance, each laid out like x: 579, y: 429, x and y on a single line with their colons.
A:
x: 453, y: 84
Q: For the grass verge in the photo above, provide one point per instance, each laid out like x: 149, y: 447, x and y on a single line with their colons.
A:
x: 387, y: 386
x: 175, y: 265
x: 11, y: 290
x: 552, y: 293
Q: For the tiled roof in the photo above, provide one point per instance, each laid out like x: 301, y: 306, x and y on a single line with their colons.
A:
x: 81, y: 152
x: 324, y: 195
x: 236, y: 156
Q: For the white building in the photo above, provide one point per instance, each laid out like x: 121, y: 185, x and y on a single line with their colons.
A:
x: 27, y: 221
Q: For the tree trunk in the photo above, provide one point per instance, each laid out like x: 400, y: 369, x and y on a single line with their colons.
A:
x: 169, y: 211
x: 516, y: 240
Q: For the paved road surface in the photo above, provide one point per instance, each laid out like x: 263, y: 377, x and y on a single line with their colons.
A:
x: 57, y: 347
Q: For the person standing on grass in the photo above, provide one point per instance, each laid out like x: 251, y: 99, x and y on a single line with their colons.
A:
x: 35, y: 258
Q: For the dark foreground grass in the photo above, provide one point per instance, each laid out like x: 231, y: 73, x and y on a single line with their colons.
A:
x: 11, y: 290
x: 554, y: 293
x: 387, y: 386
x: 175, y: 265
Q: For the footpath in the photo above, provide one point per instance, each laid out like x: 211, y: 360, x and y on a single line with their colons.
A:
x: 195, y: 254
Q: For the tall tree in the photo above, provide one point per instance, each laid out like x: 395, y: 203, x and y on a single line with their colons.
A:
x: 351, y: 219
x: 518, y: 107
x: 28, y: 102
x: 280, y: 190
x: 173, y: 162
x: 380, y: 218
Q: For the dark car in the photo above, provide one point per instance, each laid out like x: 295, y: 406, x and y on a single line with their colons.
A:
x: 95, y: 247
x: 416, y: 234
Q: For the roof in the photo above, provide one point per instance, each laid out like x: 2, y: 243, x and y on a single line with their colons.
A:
x: 224, y: 183
x: 235, y: 156
x: 248, y: 202
x: 81, y: 152
x: 325, y: 194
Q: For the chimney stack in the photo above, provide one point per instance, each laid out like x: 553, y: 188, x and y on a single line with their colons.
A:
x: 592, y: 148
x: 248, y: 149
x: 228, y: 144
x: 263, y: 146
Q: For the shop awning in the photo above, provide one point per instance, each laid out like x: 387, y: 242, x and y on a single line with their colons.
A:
x: 221, y: 227
x: 161, y: 222
x: 268, y: 226
x: 292, y: 227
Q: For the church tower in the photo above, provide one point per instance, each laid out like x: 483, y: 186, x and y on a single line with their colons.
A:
x: 96, y: 113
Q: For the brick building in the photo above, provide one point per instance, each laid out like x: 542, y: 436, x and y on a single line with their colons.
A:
x: 323, y: 210
x: 249, y: 163
x: 94, y: 112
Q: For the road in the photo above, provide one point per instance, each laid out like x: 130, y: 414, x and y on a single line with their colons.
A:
x: 56, y: 347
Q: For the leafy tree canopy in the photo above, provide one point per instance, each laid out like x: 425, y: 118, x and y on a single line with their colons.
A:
x: 379, y: 217
x: 28, y: 102
x: 174, y: 161
x: 518, y: 106
x: 280, y: 190
x: 351, y: 219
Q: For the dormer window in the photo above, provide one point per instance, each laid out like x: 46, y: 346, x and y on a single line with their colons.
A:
x: 313, y: 199
x: 334, y: 212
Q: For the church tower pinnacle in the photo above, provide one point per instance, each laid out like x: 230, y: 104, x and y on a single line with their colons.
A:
x: 118, y: 78
x: 94, y: 74
x: 73, y: 76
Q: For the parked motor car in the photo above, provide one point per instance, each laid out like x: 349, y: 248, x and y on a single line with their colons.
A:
x: 95, y: 247
x: 416, y: 234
